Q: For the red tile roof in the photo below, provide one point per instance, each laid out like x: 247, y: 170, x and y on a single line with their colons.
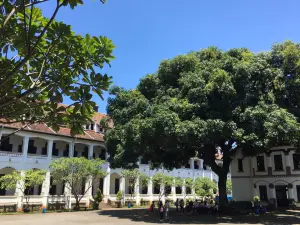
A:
x: 63, y: 131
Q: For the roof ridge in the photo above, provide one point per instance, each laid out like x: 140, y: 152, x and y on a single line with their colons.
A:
x: 50, y: 128
x: 88, y: 134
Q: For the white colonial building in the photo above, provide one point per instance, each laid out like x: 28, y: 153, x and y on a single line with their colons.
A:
x: 273, y: 176
x: 35, y: 146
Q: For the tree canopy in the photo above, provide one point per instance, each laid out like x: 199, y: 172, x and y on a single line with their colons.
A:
x: 74, y: 172
x: 208, y: 102
x: 42, y: 61
x: 24, y: 182
x: 134, y: 176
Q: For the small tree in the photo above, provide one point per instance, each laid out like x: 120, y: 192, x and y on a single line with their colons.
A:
x: 97, y: 199
x: 23, y: 182
x: 134, y: 176
x: 229, y: 187
x: 205, y: 187
x: 164, y: 181
x: 73, y: 172
x: 187, y: 183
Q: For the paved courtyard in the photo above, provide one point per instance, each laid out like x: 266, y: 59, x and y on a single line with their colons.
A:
x: 139, y: 216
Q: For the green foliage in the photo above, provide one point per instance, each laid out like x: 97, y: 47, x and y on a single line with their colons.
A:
x: 42, y: 61
x: 119, y: 196
x: 23, y: 182
x: 204, y: 103
x: 229, y: 187
x: 97, y: 199
x: 187, y: 183
x: 256, y: 199
x: 99, y: 196
x: 74, y: 171
x: 162, y: 180
x: 205, y: 187
x: 134, y: 176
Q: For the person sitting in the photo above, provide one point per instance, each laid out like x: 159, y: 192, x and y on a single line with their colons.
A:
x: 151, y: 209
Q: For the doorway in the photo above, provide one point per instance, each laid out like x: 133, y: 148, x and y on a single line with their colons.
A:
x: 117, y: 185
x: 281, y: 195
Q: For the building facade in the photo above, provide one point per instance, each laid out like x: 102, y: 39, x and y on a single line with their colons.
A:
x: 273, y: 176
x: 35, y: 146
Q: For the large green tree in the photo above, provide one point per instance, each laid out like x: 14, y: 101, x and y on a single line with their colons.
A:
x: 208, y: 102
x: 42, y: 61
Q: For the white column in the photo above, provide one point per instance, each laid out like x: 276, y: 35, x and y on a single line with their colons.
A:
x: 71, y: 149
x: 1, y: 131
x: 91, y: 150
x: 68, y: 196
x: 162, y: 190
x: 211, y: 174
x: 106, y: 186
x: 106, y: 155
x: 269, y: 161
x: 150, y: 189
x: 88, y: 189
x: 183, y: 189
x: 287, y: 160
x: 173, y: 191
x: 273, y: 195
x: 49, y: 149
x: 45, y: 189
x: 255, y: 191
x: 192, y: 166
x: 25, y: 146
x: 291, y: 193
x: 150, y: 186
x: 122, y: 189
x: 137, y: 191
x: 122, y: 184
x: 20, y: 190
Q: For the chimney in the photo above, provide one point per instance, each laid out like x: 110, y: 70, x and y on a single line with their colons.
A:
x: 96, y: 108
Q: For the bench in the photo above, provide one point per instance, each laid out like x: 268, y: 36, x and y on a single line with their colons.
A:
x: 8, y: 208
x: 83, y: 207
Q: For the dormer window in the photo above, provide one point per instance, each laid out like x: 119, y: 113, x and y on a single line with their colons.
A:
x: 101, y: 129
x: 87, y: 127
x: 92, y: 126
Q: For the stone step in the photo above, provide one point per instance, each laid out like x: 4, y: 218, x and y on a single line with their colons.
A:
x: 103, y: 205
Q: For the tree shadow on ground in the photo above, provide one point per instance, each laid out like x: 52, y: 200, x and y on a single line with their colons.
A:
x: 142, y: 215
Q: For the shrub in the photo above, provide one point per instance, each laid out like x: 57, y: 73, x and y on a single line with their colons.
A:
x: 98, y: 198
x: 119, y: 196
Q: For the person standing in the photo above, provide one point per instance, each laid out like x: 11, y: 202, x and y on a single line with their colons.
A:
x: 161, y: 211
x: 181, y: 203
x: 167, y: 208
x: 177, y: 204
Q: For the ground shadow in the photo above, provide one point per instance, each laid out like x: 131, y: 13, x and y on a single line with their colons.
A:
x: 142, y: 215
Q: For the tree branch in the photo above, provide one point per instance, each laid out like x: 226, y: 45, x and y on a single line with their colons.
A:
x: 6, y: 137
x: 9, y: 75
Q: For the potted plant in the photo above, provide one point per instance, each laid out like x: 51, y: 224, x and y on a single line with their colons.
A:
x: 256, y: 200
x: 97, y: 199
x: 119, y: 198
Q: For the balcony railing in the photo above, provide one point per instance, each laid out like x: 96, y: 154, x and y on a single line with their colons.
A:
x: 11, y: 154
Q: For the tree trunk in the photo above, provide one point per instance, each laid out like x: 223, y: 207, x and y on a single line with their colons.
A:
x: 223, y: 201
x: 77, y: 207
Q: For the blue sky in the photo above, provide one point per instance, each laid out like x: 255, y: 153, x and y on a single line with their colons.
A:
x: 146, y: 32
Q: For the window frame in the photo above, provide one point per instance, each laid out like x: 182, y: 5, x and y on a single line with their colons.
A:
x: 296, y: 168
x: 281, y: 163
x: 258, y: 165
x: 240, y: 165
